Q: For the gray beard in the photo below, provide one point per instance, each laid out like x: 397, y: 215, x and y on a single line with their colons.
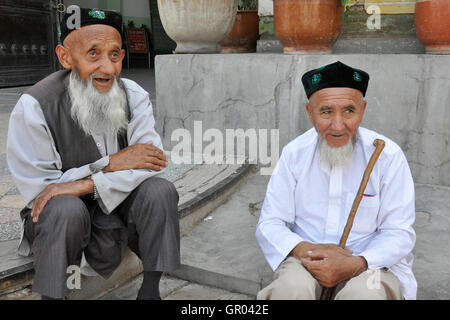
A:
x: 336, y: 157
x: 95, y: 112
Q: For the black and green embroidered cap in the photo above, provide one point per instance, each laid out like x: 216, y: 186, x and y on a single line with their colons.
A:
x: 335, y: 75
x: 90, y: 17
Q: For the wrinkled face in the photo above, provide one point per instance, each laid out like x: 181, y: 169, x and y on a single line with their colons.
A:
x: 95, y: 50
x: 336, y: 114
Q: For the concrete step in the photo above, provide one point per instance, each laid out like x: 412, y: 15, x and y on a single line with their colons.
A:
x: 170, y: 289
x: 175, y: 289
x: 364, y: 44
x: 222, y: 251
x: 202, y: 188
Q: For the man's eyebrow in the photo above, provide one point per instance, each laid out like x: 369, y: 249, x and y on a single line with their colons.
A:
x: 324, y: 108
x: 94, y: 46
x: 351, y: 107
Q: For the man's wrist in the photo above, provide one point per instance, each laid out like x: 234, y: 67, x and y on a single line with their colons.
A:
x: 108, y: 168
x: 95, y: 192
x: 360, y: 265
x: 300, y: 250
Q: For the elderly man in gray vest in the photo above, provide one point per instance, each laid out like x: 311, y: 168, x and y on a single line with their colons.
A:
x: 83, y: 153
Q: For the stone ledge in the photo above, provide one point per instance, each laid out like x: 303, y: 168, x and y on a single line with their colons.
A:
x: 358, y: 45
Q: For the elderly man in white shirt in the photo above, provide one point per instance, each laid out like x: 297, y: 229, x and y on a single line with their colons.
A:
x: 83, y: 153
x: 311, y: 192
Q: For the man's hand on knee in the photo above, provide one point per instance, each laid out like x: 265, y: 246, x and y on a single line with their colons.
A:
x: 138, y: 156
x: 331, y: 267
x: 76, y: 188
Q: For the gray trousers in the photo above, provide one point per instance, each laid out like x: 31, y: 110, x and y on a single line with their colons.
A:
x: 146, y: 221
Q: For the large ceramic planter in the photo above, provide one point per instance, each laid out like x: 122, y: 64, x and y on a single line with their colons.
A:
x: 432, y: 20
x: 308, y: 26
x: 244, y: 34
x: 197, y: 26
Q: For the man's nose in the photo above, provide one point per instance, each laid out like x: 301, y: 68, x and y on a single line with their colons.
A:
x: 337, y: 123
x: 107, y: 67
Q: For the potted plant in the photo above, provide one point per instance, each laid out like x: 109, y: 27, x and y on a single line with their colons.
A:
x: 245, y: 32
x: 305, y: 26
x: 197, y: 26
x: 432, y: 20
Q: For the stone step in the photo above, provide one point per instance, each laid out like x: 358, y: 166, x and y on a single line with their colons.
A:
x: 222, y: 251
x: 202, y: 188
x: 170, y: 289
x: 359, y: 45
x: 175, y: 289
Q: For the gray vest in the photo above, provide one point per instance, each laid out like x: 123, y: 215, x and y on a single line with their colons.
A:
x: 75, y: 148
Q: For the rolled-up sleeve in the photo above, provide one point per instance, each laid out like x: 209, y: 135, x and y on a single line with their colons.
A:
x: 395, y: 237
x: 273, y: 234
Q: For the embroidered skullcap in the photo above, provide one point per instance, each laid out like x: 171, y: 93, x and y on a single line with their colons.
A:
x: 335, y: 75
x: 89, y: 17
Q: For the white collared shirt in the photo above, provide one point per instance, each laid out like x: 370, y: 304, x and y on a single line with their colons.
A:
x: 308, y: 201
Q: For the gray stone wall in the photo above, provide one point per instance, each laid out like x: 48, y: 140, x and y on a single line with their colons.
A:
x: 408, y: 99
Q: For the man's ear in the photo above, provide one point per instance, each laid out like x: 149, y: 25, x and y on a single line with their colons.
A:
x: 309, y: 110
x: 364, y: 104
x: 64, y: 56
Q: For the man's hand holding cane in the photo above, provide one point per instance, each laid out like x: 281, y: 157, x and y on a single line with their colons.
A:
x: 331, y: 267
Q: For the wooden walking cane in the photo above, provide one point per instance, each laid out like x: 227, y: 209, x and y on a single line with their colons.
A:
x: 379, y: 144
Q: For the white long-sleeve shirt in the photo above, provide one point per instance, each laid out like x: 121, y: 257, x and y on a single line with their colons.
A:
x: 308, y: 201
x: 35, y: 163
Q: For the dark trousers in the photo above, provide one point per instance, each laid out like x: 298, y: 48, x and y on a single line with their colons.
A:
x: 146, y: 221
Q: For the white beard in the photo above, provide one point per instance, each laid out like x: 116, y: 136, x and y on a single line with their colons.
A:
x: 95, y: 112
x: 336, y: 157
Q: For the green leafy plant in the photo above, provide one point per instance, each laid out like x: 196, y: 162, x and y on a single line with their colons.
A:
x: 248, y: 5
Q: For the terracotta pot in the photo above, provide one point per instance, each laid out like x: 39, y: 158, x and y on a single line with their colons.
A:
x: 197, y: 26
x: 244, y: 34
x: 432, y: 20
x: 308, y: 26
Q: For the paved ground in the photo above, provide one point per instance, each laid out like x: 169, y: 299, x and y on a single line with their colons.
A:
x: 10, y: 200
x: 175, y: 289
